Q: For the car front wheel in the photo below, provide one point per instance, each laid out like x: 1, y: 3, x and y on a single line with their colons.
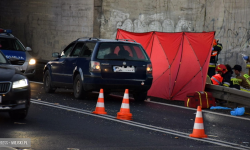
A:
x: 140, y: 96
x: 47, y: 83
x: 78, y: 87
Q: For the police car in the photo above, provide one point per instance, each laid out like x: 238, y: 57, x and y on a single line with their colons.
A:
x: 11, y: 47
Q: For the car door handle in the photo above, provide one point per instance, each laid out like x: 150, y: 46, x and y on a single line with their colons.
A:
x: 63, y: 62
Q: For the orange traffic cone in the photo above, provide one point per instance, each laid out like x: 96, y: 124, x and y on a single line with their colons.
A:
x: 198, y: 131
x: 100, y: 104
x: 124, y: 113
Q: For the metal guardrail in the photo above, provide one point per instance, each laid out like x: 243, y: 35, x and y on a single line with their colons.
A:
x: 229, y: 94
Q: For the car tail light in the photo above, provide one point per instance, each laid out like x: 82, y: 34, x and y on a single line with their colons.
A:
x: 95, y: 66
x: 149, y: 69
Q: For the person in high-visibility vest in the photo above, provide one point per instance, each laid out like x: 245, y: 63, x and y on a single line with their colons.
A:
x: 217, y: 47
x: 218, y: 79
x: 244, y: 80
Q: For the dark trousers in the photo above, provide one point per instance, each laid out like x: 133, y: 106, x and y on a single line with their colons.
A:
x: 211, y: 71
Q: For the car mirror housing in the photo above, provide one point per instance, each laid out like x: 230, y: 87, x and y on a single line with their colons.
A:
x: 28, y: 49
x: 55, y: 55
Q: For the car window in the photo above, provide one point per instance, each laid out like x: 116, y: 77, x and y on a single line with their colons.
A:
x: 87, y: 49
x: 127, y: 48
x: 117, y: 49
x: 104, y: 50
x: 122, y: 51
x: 67, y: 50
x: 18, y: 46
x: 139, y: 53
x: 2, y: 59
x: 77, y: 49
x: 11, y: 44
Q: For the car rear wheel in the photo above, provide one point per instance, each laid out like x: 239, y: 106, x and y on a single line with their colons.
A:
x: 78, y: 87
x: 18, y: 114
x: 47, y: 83
x: 140, y: 96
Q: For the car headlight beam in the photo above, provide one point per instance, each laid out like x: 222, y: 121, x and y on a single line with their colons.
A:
x: 20, y: 83
x: 32, y: 62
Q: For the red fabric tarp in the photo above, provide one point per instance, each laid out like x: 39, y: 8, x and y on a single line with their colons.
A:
x: 180, y: 61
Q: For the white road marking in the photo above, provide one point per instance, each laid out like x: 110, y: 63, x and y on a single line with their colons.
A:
x: 215, y: 113
x: 145, y: 126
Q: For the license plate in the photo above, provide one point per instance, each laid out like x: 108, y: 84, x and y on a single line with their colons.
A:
x: 124, y: 69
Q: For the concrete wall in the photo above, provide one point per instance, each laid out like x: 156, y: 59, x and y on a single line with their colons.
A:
x: 47, y: 25
x: 97, y: 15
x: 229, y: 18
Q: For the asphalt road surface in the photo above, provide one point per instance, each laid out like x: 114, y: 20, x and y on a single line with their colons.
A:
x: 59, y: 121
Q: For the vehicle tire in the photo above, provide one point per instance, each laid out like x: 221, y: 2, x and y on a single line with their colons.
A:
x: 78, y: 87
x: 140, y: 96
x: 47, y: 83
x: 18, y: 114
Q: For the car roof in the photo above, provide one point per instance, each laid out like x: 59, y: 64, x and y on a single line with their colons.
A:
x: 108, y: 40
x: 7, y: 35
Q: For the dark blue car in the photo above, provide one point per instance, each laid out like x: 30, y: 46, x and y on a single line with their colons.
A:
x: 90, y: 64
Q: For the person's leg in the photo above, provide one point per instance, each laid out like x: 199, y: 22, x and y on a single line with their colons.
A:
x: 211, y: 71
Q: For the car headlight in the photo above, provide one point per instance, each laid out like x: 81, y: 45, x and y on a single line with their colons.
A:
x: 20, y: 83
x: 32, y: 62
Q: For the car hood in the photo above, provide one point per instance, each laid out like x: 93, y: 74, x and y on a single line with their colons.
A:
x: 21, y: 55
x: 7, y: 72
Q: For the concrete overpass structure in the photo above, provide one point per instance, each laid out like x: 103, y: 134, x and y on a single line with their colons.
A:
x: 49, y: 25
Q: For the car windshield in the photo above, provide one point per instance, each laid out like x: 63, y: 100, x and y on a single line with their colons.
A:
x: 10, y: 44
x: 2, y: 59
x: 121, y: 51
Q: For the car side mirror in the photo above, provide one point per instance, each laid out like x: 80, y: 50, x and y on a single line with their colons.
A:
x: 13, y: 60
x: 56, y: 55
x: 28, y: 49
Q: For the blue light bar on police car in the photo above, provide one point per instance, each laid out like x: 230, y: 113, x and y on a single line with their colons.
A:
x: 5, y: 31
